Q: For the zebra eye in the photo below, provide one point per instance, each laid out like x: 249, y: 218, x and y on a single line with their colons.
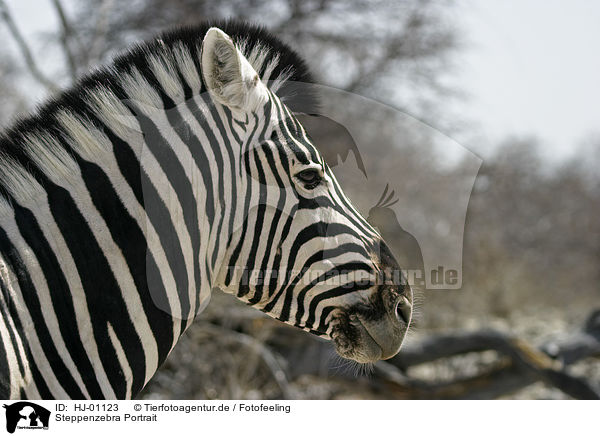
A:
x: 310, y: 177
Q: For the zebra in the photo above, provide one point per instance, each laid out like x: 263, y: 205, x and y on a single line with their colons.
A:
x: 178, y: 168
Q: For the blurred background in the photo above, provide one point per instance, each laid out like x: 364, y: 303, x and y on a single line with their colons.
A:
x: 514, y: 82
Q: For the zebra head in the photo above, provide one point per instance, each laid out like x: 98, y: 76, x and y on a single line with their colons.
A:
x: 299, y: 250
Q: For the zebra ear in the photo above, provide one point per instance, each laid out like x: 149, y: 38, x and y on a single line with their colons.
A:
x: 228, y: 75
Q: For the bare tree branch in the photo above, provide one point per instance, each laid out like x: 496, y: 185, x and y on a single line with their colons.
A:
x: 259, y: 348
x: 576, y: 347
x: 519, y: 365
x: 527, y: 364
x: 24, y: 49
x: 66, y: 34
x: 100, y: 32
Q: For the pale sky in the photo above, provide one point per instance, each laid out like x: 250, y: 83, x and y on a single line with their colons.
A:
x: 530, y: 67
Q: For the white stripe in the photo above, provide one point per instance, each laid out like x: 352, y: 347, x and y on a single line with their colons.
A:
x: 82, y: 134
x: 11, y: 358
x: 158, y: 116
x: 186, y: 65
x: 209, y: 235
x: 26, y: 379
x: 127, y: 373
x: 76, y: 186
x: 55, y: 239
x: 170, y: 200
x: 122, y: 275
x: 43, y: 294
x: 27, y: 323
x: 163, y: 67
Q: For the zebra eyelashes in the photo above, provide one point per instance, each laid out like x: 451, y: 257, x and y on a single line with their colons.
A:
x: 310, y: 178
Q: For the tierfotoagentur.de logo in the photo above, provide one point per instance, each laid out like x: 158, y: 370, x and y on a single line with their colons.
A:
x: 24, y: 415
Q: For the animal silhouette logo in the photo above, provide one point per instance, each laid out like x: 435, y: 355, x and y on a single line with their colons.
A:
x: 26, y: 415
x: 404, y: 245
x: 335, y: 142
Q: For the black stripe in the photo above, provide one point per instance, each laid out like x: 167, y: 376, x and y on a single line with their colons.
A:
x: 142, y: 265
x: 319, y: 229
x: 315, y: 230
x: 62, y: 299
x: 324, y: 314
x: 7, y: 317
x: 231, y: 151
x: 297, y: 131
x: 4, y: 372
x: 189, y: 204
x: 156, y: 210
x: 38, y: 380
x: 248, y: 195
x: 277, y: 263
x: 316, y: 257
x: 104, y: 296
x: 260, y: 208
x: 258, y: 224
x: 175, y: 173
x: 282, y: 138
x: 25, y: 220
x: 332, y: 293
x: 338, y: 270
x: 274, y: 224
x: 355, y: 218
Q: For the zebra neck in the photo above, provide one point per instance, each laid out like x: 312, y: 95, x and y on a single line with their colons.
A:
x: 184, y: 184
x: 110, y: 247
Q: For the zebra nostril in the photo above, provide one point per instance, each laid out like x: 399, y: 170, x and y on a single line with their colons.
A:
x: 403, y: 309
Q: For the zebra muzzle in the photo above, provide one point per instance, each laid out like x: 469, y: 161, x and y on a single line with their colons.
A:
x: 374, y: 331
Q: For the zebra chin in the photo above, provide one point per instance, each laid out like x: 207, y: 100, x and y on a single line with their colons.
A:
x: 368, y: 332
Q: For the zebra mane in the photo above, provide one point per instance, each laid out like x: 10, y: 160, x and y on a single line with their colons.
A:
x: 40, y: 144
